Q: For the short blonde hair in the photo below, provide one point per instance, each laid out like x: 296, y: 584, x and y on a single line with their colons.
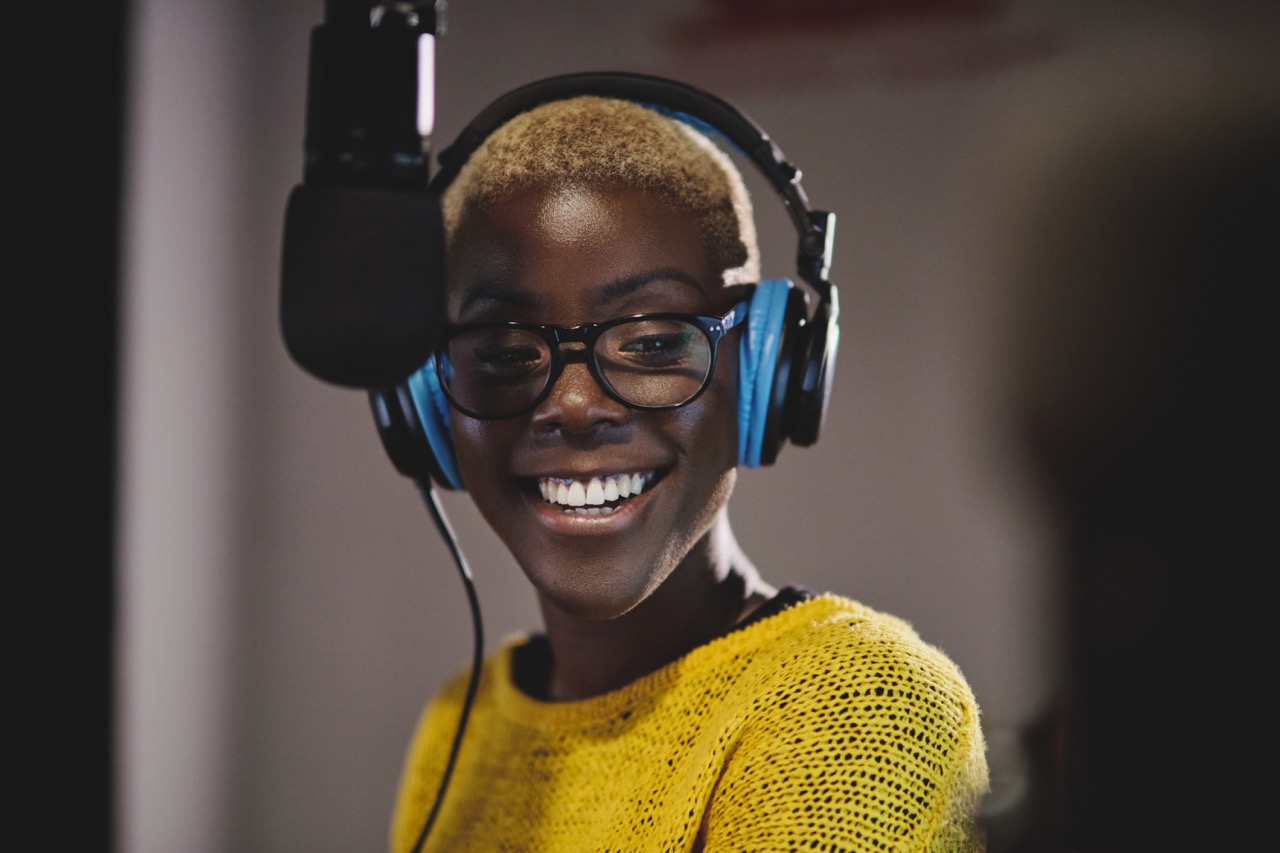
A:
x: 603, y: 143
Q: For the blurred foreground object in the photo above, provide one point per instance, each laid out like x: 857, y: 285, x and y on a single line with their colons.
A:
x: 1144, y: 390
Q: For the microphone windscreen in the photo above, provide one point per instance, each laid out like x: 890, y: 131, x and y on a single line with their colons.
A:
x: 361, y: 282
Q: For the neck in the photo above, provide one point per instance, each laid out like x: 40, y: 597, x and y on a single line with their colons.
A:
x: 712, y: 589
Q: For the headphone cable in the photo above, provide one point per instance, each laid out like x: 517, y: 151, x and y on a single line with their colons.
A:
x: 477, y: 655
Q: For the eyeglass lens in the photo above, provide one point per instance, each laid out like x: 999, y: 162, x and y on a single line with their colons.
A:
x: 647, y: 362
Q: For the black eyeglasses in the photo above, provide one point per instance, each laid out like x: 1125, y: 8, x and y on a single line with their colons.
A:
x: 648, y: 361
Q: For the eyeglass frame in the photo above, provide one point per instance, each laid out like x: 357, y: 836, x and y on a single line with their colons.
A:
x: 587, y: 334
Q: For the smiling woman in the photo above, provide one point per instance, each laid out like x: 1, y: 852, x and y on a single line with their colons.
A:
x: 600, y: 259
x: 599, y: 567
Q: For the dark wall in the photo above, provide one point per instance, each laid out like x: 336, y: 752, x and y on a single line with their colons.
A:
x: 63, y: 152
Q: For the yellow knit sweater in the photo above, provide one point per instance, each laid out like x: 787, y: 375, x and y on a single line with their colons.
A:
x: 828, y: 726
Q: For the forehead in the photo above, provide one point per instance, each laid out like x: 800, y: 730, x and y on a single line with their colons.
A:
x: 572, y: 255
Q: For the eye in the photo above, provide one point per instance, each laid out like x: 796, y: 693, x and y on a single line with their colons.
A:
x: 507, y: 361
x: 659, y: 346
x: 506, y: 358
x: 653, y: 344
x: 498, y: 353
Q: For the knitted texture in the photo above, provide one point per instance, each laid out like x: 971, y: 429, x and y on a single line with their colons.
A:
x: 828, y: 726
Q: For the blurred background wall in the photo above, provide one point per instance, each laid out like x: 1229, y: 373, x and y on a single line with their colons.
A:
x: 284, y: 607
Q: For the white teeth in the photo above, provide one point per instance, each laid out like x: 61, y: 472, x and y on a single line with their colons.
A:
x: 592, y: 495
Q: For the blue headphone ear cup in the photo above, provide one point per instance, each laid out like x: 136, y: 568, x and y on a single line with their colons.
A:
x: 432, y: 408
x: 757, y: 366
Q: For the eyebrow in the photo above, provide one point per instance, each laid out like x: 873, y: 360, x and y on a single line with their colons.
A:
x: 623, y: 287
x: 499, y: 291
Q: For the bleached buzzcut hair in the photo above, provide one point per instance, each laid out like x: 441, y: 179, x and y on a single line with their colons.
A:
x: 603, y: 143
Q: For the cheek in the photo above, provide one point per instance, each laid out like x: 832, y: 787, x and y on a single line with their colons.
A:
x: 468, y: 436
x: 481, y: 448
x: 719, y: 423
x: 713, y: 438
x: 708, y: 432
x: 709, y: 428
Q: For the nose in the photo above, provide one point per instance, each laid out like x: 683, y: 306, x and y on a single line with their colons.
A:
x: 577, y: 403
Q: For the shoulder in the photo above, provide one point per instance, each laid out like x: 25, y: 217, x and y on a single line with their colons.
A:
x: 830, y: 642
x: 424, y: 761
x: 855, y: 719
x: 836, y: 656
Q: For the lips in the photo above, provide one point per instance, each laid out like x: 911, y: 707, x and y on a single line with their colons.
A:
x: 600, y: 495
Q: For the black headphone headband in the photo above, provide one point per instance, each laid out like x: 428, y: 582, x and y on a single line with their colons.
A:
x: 816, y: 228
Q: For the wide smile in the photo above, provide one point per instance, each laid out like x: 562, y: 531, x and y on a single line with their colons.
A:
x: 594, y: 496
x: 596, y: 503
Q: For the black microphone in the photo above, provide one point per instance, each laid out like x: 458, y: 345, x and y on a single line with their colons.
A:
x: 362, y: 269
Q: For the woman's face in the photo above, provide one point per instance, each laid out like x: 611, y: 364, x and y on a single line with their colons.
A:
x: 577, y: 256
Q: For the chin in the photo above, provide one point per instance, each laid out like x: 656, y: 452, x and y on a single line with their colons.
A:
x: 583, y: 594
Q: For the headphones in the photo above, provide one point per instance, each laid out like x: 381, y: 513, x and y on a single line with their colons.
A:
x: 786, y: 355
